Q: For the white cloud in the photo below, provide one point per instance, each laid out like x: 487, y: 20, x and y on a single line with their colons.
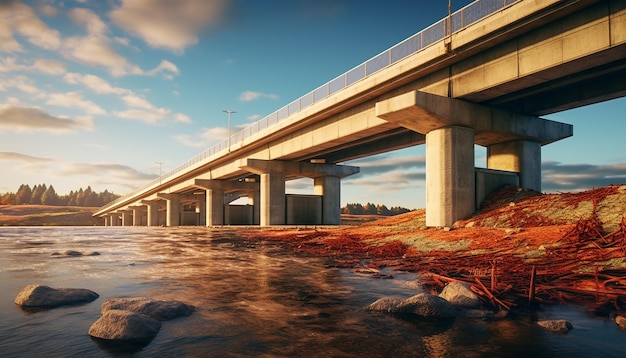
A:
x: 21, y: 83
x: 74, y: 100
x: 29, y: 119
x: 183, y: 118
x: 146, y: 116
x: 94, y: 83
x: 20, y: 19
x: 19, y: 157
x: 164, y: 67
x: 171, y: 25
x: 208, y: 137
x: 49, y: 67
x: 248, y: 96
x: 132, y: 100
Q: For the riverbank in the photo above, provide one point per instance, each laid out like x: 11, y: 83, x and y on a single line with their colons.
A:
x: 46, y: 215
x: 522, y: 248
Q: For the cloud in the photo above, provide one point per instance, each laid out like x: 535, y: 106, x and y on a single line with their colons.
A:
x: 20, y: 19
x: 49, y: 67
x: 248, y: 96
x: 164, y: 67
x: 171, y: 25
x: 34, y: 119
x: 151, y: 116
x: 183, y: 118
x: 96, y: 49
x: 22, y: 83
x: 19, y: 157
x: 208, y: 137
x: 385, y: 163
x: 133, y: 100
x: 74, y: 100
x: 94, y: 83
x: 108, y: 170
x: 578, y: 177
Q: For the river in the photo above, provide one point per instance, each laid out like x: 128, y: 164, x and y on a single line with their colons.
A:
x: 252, y: 298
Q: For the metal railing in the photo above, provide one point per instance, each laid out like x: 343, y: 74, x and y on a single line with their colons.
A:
x: 458, y: 20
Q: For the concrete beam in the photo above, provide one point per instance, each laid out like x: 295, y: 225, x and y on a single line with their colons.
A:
x: 301, y: 169
x: 423, y: 112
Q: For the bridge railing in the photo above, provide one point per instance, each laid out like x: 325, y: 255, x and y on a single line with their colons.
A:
x: 458, y: 20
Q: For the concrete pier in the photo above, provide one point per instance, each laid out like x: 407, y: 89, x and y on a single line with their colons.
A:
x: 273, y: 173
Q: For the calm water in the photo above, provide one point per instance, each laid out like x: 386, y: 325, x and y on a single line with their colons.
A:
x: 251, y: 298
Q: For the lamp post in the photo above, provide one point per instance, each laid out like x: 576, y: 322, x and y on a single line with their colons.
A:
x: 229, y: 113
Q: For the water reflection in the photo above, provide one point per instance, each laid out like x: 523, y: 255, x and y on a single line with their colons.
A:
x: 251, y: 299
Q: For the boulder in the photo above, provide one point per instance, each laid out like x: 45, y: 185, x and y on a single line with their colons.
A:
x: 47, y: 297
x: 160, y: 310
x: 119, y: 325
x: 460, y: 295
x: 620, y: 321
x: 385, y: 305
x: 73, y: 253
x: 559, y: 325
x: 427, y: 306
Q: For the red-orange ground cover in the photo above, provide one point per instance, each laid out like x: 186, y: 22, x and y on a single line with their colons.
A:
x: 539, y: 248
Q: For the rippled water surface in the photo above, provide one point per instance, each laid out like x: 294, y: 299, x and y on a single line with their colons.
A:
x: 251, y: 299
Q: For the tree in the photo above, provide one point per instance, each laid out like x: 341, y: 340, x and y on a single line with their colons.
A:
x: 38, y: 191
x: 50, y: 197
x: 23, y: 195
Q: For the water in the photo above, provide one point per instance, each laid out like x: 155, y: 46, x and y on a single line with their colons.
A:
x: 251, y: 299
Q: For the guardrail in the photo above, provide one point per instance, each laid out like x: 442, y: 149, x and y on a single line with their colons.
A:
x: 456, y: 21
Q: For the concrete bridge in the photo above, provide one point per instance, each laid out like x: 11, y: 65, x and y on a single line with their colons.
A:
x: 482, y: 75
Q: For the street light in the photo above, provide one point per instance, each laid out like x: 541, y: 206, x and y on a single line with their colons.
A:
x: 229, y: 113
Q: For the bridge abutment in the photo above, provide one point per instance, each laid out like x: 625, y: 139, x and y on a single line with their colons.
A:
x: 520, y: 156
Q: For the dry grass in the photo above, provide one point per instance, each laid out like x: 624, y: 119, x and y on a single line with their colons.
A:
x: 44, y: 215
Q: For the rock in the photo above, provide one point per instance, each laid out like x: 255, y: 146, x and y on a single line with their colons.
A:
x: 620, y: 321
x: 385, y: 305
x: 460, y: 295
x: 47, y: 297
x: 427, y: 306
x: 119, y: 325
x: 73, y: 253
x: 559, y: 325
x: 160, y: 310
x: 482, y: 314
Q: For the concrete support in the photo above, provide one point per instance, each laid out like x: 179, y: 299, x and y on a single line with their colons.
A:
x: 254, y: 199
x: 115, y: 219
x: 172, y: 216
x: 272, y: 199
x: 202, y: 215
x: 328, y: 187
x: 521, y: 156
x: 273, y: 174
x: 449, y: 175
x: 153, y: 212
x: 127, y: 218
x: 215, y: 207
x: 138, y: 213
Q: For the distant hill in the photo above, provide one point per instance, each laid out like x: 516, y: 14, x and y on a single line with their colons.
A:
x: 45, y: 215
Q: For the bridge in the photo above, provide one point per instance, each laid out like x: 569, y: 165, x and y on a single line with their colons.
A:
x: 482, y: 75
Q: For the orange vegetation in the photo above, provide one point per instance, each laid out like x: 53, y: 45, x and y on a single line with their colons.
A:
x: 521, y: 248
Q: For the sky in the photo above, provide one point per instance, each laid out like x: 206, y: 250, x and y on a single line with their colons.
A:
x: 111, y: 93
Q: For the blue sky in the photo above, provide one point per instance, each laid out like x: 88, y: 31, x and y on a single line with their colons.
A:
x: 98, y: 92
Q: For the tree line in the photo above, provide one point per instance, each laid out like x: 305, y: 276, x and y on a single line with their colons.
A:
x: 373, y: 209
x: 46, y: 195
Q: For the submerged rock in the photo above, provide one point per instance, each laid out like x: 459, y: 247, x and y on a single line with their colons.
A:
x: 47, y: 297
x: 559, y: 325
x: 385, y: 305
x: 119, y: 325
x: 422, y: 305
x: 620, y: 321
x: 73, y: 253
x: 460, y: 295
x: 160, y: 310
x: 427, y: 306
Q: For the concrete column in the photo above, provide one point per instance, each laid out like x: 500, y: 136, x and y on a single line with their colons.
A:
x: 172, y: 215
x: 152, y: 207
x: 203, y: 212
x: 272, y: 199
x: 254, y: 199
x: 449, y: 175
x: 114, y: 219
x: 521, y: 156
x: 127, y: 218
x: 214, y: 207
x: 138, y: 212
x: 107, y: 220
x: 329, y: 187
